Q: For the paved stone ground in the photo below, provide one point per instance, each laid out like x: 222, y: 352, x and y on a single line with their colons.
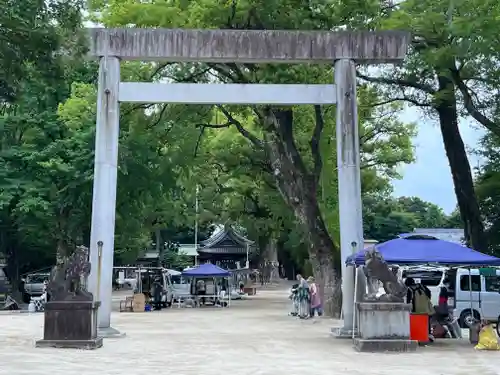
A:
x: 252, y: 337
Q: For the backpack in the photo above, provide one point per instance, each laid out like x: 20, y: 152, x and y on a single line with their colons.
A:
x: 423, y: 304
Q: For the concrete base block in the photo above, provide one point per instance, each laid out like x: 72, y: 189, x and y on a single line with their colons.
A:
x: 384, y: 327
x: 71, y: 344
x: 383, y: 320
x: 385, y: 345
x: 70, y: 324
x: 110, y: 333
x: 342, y: 333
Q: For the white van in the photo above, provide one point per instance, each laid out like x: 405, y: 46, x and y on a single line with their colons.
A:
x: 482, y: 302
x: 144, y: 281
x: 180, y: 285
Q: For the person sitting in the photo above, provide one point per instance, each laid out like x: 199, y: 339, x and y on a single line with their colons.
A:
x: 443, y: 317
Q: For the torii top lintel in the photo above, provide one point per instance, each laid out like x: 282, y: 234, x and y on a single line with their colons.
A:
x: 249, y: 46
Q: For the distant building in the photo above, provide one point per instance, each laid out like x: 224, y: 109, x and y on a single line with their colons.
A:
x: 452, y: 235
x: 151, y: 256
x: 226, y: 248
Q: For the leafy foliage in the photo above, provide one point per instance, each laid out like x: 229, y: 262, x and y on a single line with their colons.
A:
x: 386, y: 218
x: 487, y: 187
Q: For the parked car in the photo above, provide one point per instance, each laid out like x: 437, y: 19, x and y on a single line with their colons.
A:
x: 474, y: 296
x: 34, y: 285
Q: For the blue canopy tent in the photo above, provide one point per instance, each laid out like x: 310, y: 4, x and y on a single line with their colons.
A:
x: 209, y: 270
x: 423, y: 249
x: 206, y: 270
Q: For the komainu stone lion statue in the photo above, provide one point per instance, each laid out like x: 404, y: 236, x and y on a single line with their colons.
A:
x: 377, y: 270
x: 66, y: 278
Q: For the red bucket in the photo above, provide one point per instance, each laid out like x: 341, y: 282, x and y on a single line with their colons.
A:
x: 419, y: 327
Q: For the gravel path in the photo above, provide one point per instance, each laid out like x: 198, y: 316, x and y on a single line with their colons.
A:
x: 252, y: 337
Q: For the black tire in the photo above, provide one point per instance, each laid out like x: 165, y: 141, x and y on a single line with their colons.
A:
x: 498, y: 326
x: 467, y: 316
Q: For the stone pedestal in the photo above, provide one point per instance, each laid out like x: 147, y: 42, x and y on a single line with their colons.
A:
x: 384, y: 326
x: 70, y: 324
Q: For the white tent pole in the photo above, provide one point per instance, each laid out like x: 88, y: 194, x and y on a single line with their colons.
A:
x: 354, y: 302
x: 470, y: 293
x: 196, y: 225
x: 229, y: 296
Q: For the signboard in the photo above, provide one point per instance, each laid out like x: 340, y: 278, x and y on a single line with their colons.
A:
x: 487, y: 271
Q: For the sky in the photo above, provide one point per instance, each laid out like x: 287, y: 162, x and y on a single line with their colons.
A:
x: 429, y: 177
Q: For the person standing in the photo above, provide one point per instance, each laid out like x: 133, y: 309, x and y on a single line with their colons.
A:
x: 157, y: 293
x: 303, y: 297
x: 420, y: 298
x: 294, y: 299
x: 314, y: 297
x: 201, y: 290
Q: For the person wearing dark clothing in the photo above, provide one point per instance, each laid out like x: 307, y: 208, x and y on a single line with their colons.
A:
x: 414, y: 288
x: 444, y: 293
x: 157, y: 292
x: 442, y: 308
x: 415, y: 294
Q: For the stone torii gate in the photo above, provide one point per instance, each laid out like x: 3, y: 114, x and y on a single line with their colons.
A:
x: 341, y: 49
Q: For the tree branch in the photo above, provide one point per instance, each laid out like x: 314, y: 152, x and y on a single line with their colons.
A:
x: 245, y: 133
x: 136, y: 107
x: 401, y: 99
x: 470, y: 106
x: 191, y: 77
x: 372, y: 134
x: 400, y: 82
x: 158, y: 70
x: 214, y: 126
x: 315, y: 144
x: 160, y: 117
x: 198, y: 141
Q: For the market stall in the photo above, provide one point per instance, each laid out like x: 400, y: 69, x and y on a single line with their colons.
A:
x: 220, y: 277
x: 426, y: 250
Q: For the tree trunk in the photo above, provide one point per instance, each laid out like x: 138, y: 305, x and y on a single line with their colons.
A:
x: 459, y: 164
x: 272, y: 258
x: 61, y: 251
x: 271, y: 253
x: 263, y: 242
x: 299, y: 190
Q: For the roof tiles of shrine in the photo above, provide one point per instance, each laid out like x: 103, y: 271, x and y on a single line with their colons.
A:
x: 226, y: 241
